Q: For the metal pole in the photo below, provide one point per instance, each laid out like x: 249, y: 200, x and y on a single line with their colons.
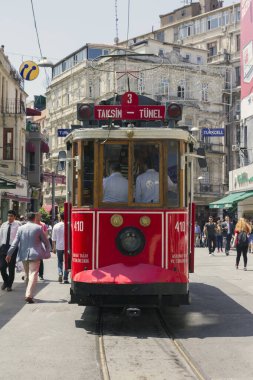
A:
x: 53, y: 198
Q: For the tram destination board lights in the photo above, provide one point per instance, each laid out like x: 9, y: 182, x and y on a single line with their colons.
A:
x: 85, y: 113
x: 174, y: 114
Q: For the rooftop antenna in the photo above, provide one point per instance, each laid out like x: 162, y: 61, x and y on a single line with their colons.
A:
x: 116, y: 39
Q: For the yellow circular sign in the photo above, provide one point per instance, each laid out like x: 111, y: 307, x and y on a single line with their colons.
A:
x: 29, y: 70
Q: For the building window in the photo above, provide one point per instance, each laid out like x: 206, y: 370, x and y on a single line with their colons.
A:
x: 180, y: 91
x: 170, y: 18
x: 238, y: 42
x: 8, y: 144
x: 238, y: 76
x: 212, y: 49
x: 31, y: 161
x: 204, y: 92
x: 159, y: 36
x: 199, y: 60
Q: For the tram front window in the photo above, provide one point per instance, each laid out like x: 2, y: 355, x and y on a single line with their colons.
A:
x: 146, y: 173
x: 115, y: 181
x: 172, y: 170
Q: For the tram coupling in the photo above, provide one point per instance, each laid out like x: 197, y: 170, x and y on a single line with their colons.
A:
x: 133, y: 312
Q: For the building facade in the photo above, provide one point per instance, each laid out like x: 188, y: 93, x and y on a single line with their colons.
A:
x: 14, y: 190
x: 167, y: 77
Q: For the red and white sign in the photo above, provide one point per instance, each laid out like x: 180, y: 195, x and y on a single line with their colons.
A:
x: 58, y: 178
x: 83, y: 241
x: 129, y: 110
x: 246, y: 58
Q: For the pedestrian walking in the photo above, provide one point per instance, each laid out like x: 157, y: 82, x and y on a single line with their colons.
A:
x: 219, y: 236
x: 228, y: 230
x: 251, y: 238
x: 44, y: 228
x: 58, y: 248
x: 8, y: 232
x: 242, y: 231
x: 32, y: 246
x: 210, y: 232
x: 197, y: 234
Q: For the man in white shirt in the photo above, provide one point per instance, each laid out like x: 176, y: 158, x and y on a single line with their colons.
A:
x: 115, y: 186
x: 58, y: 247
x: 147, y: 185
x: 8, y: 232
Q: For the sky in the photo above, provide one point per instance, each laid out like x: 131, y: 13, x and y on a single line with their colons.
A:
x: 66, y: 25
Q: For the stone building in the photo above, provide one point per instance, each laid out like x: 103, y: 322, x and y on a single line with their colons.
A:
x: 169, y: 75
x: 14, y: 191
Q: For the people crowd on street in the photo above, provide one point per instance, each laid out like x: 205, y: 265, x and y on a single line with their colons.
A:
x: 24, y: 243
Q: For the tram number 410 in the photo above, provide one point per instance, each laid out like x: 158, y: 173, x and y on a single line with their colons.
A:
x: 180, y: 226
x: 79, y: 226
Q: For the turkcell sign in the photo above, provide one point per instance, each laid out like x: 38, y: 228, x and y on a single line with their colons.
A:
x: 126, y: 112
x: 215, y: 132
x: 63, y: 132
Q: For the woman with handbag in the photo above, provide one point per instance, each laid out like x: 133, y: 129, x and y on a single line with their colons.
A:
x: 242, y: 231
x: 32, y: 247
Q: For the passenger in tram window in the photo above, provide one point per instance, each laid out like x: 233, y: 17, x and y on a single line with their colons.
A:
x: 115, y: 186
x: 147, y: 184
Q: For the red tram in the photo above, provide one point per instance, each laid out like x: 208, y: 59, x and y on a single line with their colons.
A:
x: 129, y: 213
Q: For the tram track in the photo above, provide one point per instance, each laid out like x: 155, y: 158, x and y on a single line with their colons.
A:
x: 141, y: 348
x: 101, y: 356
x: 180, y: 348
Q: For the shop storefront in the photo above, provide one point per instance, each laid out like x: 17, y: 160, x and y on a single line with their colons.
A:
x: 240, y: 197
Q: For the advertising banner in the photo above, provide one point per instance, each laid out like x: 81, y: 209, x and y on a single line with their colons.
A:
x: 246, y: 58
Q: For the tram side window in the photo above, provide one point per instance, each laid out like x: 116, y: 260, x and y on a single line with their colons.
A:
x: 88, y: 174
x: 146, y: 173
x: 173, y: 174
x: 75, y: 175
x: 115, y: 180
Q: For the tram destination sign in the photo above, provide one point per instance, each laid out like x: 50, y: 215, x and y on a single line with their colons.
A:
x: 129, y: 112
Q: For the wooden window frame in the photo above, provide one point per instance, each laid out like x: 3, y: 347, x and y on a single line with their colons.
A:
x: 5, y: 134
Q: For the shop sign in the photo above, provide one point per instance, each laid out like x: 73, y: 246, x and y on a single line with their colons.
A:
x: 214, y: 132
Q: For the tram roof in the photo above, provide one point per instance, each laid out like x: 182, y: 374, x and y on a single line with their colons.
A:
x: 129, y: 133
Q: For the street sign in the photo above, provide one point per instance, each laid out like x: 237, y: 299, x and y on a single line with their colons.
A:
x: 214, y: 132
x: 58, y: 178
x: 63, y: 132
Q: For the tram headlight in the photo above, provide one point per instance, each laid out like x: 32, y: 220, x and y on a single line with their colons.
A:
x: 130, y: 241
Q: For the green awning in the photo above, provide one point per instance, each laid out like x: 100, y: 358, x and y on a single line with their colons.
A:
x: 227, y: 202
x: 6, y: 183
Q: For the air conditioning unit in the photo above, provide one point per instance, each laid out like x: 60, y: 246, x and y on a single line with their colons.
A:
x: 235, y: 148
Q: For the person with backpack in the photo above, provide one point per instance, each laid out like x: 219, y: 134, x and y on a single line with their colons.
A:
x: 242, y: 231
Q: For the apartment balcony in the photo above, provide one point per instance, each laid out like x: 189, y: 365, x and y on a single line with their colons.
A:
x: 12, y: 107
x: 208, y: 189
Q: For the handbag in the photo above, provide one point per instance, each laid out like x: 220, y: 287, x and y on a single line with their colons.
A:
x: 46, y: 255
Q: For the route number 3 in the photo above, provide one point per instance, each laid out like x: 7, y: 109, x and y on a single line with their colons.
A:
x: 180, y: 226
x: 129, y: 98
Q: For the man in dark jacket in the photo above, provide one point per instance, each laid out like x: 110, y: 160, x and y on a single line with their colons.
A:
x: 227, y: 230
x: 210, y: 232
